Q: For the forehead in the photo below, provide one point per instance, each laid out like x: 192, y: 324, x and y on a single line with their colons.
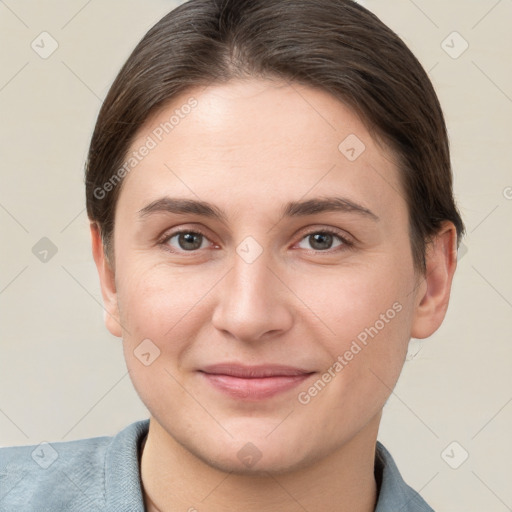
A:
x: 257, y: 139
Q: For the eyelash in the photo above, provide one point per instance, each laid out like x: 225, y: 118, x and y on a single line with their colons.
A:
x: 346, y: 244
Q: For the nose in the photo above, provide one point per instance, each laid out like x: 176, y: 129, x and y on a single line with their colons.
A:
x: 254, y: 304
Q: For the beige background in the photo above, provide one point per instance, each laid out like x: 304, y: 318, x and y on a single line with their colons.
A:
x: 63, y: 375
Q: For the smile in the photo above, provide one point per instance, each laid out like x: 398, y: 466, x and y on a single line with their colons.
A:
x: 253, y: 382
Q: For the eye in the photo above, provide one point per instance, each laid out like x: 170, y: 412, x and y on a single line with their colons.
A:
x: 322, y: 240
x: 186, y: 240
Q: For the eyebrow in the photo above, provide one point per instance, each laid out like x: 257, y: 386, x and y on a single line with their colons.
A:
x: 291, y: 209
x: 183, y: 206
x: 326, y: 204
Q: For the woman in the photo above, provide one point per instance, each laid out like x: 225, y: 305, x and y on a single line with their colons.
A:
x: 272, y: 219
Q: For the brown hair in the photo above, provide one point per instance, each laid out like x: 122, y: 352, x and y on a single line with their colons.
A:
x: 334, y: 45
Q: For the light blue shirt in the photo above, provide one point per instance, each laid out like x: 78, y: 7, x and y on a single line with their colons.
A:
x: 102, y: 474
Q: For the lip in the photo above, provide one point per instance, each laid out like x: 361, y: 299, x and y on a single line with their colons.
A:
x: 253, y: 382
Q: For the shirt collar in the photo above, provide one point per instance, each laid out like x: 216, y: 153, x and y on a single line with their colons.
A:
x: 123, y: 485
x: 394, y: 494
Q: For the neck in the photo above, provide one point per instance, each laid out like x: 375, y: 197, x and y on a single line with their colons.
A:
x: 176, y: 480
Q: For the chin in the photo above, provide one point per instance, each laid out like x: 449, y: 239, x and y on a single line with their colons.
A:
x: 251, y: 461
x: 258, y: 455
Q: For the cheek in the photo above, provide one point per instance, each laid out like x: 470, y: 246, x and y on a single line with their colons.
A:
x: 355, y: 303
x: 168, y: 306
x: 364, y: 321
x: 159, y: 311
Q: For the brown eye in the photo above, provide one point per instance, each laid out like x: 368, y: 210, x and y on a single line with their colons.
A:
x: 324, y: 241
x: 320, y: 241
x: 186, y: 240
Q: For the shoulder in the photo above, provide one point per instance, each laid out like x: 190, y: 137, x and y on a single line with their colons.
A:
x: 394, y: 493
x: 52, y: 474
x: 71, y: 475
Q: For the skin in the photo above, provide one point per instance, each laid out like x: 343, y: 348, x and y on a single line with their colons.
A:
x: 250, y: 147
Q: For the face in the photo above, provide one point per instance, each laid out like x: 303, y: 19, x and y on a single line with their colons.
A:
x: 264, y: 285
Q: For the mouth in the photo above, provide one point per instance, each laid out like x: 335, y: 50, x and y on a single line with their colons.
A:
x: 253, y: 382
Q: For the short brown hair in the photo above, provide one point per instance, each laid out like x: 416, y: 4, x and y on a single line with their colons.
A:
x: 334, y: 45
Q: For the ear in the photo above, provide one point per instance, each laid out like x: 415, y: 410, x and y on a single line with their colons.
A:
x: 107, y: 282
x: 433, y: 294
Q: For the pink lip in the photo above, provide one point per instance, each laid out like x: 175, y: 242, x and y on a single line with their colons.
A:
x: 254, y: 382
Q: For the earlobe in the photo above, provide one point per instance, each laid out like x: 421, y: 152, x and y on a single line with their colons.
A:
x: 433, y: 296
x: 107, y: 282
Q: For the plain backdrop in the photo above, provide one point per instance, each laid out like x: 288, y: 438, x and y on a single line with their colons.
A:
x: 63, y: 375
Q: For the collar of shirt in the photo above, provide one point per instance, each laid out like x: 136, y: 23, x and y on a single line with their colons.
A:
x: 102, y: 473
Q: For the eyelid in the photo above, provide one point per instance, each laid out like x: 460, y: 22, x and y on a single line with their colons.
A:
x: 343, y: 235
x: 347, y: 240
x: 170, y: 233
